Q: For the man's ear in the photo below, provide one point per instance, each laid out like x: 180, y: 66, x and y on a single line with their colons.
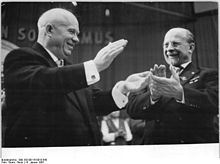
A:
x: 191, y: 47
x: 49, y: 29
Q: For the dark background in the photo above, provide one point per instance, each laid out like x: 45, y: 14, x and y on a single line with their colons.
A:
x: 143, y: 24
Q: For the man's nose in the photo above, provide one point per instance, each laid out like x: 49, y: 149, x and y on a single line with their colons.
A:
x: 75, y: 39
x: 170, y: 47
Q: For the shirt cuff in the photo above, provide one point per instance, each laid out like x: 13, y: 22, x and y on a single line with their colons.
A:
x: 92, y: 74
x: 120, y: 99
x: 152, y: 102
x: 183, y: 99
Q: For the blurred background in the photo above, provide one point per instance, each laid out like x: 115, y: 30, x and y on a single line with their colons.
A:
x: 143, y: 24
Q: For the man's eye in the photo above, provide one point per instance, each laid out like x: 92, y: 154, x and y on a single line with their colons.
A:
x: 176, y: 44
x: 165, y: 45
x: 72, y: 32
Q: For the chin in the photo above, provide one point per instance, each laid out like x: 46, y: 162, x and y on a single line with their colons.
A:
x: 173, y: 63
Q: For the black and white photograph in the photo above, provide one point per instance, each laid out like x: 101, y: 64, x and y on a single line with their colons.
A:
x: 125, y: 78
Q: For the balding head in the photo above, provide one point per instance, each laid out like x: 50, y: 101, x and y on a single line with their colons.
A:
x: 54, y: 16
x: 183, y: 32
x: 58, y: 32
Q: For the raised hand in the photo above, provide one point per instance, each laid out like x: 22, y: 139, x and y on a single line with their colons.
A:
x: 107, y: 54
x: 160, y: 72
x: 169, y: 87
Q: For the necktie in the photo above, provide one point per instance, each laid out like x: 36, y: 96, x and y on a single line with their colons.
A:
x: 60, y: 63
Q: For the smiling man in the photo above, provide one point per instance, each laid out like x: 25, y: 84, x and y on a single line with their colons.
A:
x: 178, y: 46
x: 184, y: 107
x: 53, y: 104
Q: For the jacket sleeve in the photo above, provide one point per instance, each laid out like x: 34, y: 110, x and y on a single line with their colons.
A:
x: 139, y: 106
x: 24, y: 69
x: 103, y: 102
x: 205, y: 97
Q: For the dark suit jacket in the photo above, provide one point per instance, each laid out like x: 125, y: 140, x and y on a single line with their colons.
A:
x: 170, y: 122
x: 50, y: 106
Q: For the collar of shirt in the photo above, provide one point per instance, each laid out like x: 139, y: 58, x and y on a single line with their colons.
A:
x: 181, y: 68
x: 116, y: 122
x: 185, y: 64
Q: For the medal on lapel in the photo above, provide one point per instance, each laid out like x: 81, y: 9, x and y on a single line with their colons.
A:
x: 183, y: 78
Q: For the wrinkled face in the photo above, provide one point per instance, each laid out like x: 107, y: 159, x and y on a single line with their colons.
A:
x: 176, y: 49
x: 64, y: 37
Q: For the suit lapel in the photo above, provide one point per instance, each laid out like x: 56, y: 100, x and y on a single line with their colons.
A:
x: 43, y: 53
x: 188, y: 73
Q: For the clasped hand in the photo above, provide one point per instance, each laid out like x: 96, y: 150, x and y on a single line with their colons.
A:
x: 157, y: 82
x: 160, y: 85
x: 120, y: 133
x: 135, y: 82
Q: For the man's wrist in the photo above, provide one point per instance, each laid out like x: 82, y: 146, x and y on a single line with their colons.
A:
x: 154, y: 100
x: 120, y: 98
x: 180, y: 98
x: 122, y: 88
x: 96, y: 65
x: 91, y: 72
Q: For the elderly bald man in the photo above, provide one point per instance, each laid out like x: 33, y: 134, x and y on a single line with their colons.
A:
x: 183, y: 108
x: 53, y: 105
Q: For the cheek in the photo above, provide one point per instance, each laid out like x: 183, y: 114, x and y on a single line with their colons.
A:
x: 183, y: 53
x: 166, y: 59
x: 58, y: 41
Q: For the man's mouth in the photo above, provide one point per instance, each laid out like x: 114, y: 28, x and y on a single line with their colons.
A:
x: 172, y: 55
x: 70, y: 45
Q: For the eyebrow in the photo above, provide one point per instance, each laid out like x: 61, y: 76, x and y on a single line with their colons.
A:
x: 74, y: 30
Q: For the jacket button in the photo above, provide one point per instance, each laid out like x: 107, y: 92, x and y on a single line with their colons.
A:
x: 144, y: 108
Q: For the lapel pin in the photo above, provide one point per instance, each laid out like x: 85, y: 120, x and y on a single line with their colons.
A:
x: 183, y: 78
x: 195, y: 78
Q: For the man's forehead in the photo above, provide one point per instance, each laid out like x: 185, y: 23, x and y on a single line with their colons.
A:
x: 175, y: 34
x: 70, y: 22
